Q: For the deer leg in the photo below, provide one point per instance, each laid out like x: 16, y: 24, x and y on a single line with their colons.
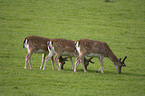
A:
x: 70, y: 58
x: 55, y: 60
x: 78, y: 60
x: 77, y: 63
x: 82, y: 60
x: 52, y: 61
x: 43, y: 59
x: 30, y: 63
x: 60, y: 65
x: 26, y: 61
x: 47, y: 58
x: 102, y: 64
x: 28, y: 58
x: 60, y: 62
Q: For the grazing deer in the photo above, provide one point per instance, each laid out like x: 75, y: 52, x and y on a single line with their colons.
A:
x: 63, y: 47
x: 35, y: 44
x: 91, y: 48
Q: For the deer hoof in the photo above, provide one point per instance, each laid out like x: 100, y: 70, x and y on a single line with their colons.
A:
x: 85, y: 71
x: 97, y: 71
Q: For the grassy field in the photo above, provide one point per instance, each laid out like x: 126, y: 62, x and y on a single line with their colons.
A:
x: 120, y: 23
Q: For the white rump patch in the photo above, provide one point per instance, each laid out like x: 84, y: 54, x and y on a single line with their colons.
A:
x: 77, y: 47
x: 51, y: 48
x: 27, y: 45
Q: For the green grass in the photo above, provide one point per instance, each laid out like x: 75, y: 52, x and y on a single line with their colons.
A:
x: 120, y: 23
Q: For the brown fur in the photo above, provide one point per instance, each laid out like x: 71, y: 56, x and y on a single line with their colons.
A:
x: 63, y: 45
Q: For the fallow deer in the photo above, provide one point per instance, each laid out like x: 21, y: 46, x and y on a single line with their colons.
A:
x: 91, y: 48
x: 63, y: 47
x: 36, y: 44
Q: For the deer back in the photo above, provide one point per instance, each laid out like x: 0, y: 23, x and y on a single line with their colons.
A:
x: 37, y: 43
x: 63, y: 45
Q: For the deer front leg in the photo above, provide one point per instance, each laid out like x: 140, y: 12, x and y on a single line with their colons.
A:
x: 102, y: 64
x: 28, y: 58
x: 43, y: 59
x: 55, y: 60
x: 70, y: 58
x: 82, y: 60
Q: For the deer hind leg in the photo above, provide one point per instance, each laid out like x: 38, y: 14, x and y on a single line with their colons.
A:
x: 43, y: 59
x: 47, y: 58
x: 28, y: 58
x: 26, y: 61
x: 77, y: 62
x: 102, y: 64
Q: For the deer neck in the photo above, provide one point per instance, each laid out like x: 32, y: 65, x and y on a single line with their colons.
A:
x: 113, y: 58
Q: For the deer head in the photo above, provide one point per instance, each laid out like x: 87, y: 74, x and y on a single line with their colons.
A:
x: 62, y: 60
x: 87, y: 61
x: 122, y: 64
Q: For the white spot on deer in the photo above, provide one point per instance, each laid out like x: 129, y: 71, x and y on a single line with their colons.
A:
x: 65, y: 53
x: 93, y: 55
x: 40, y: 51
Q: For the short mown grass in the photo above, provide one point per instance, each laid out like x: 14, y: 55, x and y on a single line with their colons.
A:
x: 120, y: 23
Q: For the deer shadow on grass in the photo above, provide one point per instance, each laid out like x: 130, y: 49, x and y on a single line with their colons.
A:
x: 134, y: 74
x: 116, y: 73
x: 106, y: 72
